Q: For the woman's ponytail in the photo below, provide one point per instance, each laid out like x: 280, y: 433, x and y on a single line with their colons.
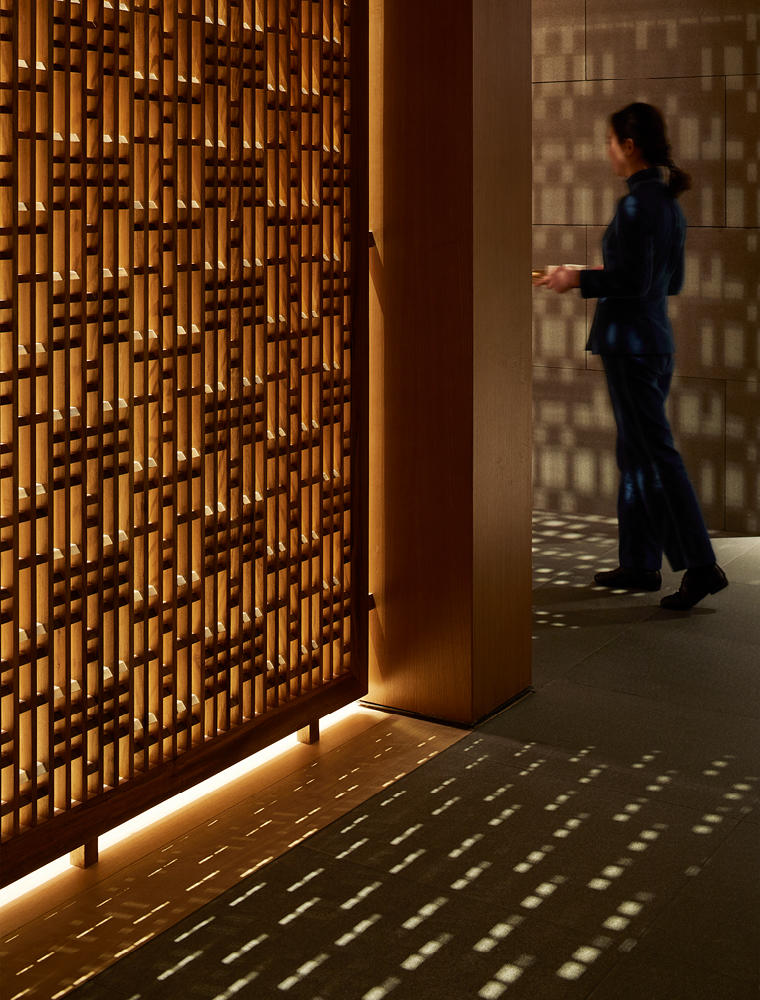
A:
x: 679, y: 181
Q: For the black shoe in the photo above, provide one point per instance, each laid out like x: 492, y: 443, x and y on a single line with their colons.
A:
x: 629, y: 579
x: 696, y: 584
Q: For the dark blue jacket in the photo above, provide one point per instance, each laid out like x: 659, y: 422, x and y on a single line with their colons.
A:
x: 643, y: 250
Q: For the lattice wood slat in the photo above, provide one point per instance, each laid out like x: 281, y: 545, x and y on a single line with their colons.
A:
x: 178, y: 255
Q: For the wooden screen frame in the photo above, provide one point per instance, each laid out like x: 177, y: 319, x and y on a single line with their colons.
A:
x: 28, y: 241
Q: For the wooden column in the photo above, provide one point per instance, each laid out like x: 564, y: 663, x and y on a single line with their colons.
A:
x: 450, y: 355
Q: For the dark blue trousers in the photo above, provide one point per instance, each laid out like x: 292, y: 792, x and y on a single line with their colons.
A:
x: 658, y: 510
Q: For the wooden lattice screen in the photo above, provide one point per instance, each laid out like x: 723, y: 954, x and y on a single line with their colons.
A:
x: 182, y: 356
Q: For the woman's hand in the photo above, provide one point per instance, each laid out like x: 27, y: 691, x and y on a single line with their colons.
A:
x: 562, y: 279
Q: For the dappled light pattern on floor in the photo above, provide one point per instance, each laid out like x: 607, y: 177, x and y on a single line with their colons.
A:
x: 597, y: 840
x: 117, y: 907
x: 505, y: 868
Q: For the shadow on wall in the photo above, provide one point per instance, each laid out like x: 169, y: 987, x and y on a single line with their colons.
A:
x: 702, y: 71
x: 574, y: 443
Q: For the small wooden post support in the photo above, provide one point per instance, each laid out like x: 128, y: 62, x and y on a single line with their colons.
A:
x: 309, y: 734
x: 85, y: 856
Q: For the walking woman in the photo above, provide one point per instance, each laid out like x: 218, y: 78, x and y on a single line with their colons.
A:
x: 643, y: 251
